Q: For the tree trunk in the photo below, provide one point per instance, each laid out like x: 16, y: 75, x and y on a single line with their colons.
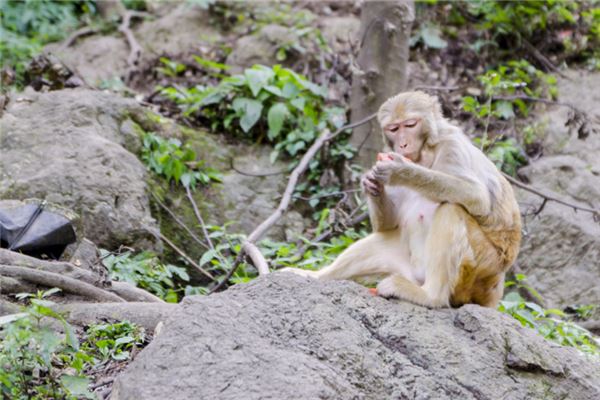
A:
x: 382, y: 68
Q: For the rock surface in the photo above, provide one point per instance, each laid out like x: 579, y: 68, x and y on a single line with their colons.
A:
x: 560, y: 252
x: 288, y: 337
x: 68, y: 147
x: 259, y: 47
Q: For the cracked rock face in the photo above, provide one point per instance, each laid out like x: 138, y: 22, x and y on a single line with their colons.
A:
x: 288, y: 337
x: 560, y: 251
x: 70, y: 147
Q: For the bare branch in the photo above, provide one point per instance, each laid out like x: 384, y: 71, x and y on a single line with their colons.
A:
x: 181, y: 253
x: 199, y: 217
x: 179, y: 221
x: 284, y: 203
x: 86, y: 30
x: 135, y: 50
x: 257, y: 258
x: 548, y: 197
x: 50, y: 279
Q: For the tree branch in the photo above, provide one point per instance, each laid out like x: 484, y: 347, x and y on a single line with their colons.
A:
x: 179, y: 222
x: 284, y: 203
x: 135, y: 50
x: 181, y: 253
x: 547, y: 197
x: 50, y: 279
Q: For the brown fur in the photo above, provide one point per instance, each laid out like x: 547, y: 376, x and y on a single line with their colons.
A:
x: 475, y: 230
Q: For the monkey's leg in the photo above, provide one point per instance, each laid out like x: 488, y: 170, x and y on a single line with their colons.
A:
x: 446, y: 248
x: 378, y: 254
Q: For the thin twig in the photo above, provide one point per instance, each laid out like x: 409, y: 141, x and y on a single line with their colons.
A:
x: 199, y: 217
x: 295, y: 175
x: 536, y: 99
x: 179, y: 222
x: 135, y: 50
x: 258, y: 174
x: 181, y: 253
x: 86, y: 30
x: 332, y: 194
x: 543, y: 59
x: 437, y: 88
x: 548, y: 197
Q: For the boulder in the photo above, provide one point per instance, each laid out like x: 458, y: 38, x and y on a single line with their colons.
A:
x: 259, y: 47
x: 287, y: 337
x: 561, y: 247
x: 68, y: 147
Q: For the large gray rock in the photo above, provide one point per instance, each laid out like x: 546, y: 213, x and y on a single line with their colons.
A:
x: 288, y: 337
x: 68, y: 147
x: 175, y: 29
x: 561, y: 248
x: 259, y: 47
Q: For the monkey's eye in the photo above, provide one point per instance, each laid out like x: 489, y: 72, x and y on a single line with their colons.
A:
x: 392, y: 128
x: 411, y: 123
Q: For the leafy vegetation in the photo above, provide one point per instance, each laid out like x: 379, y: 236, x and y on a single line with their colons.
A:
x: 550, y: 323
x: 146, y: 271
x: 39, y: 363
x: 274, y: 105
x: 508, y: 92
x: 27, y: 25
x: 176, y: 162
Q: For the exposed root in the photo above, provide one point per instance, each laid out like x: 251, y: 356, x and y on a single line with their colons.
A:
x: 51, y: 279
x: 135, y: 50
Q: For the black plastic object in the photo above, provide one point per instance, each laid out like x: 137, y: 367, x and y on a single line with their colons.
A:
x: 31, y: 229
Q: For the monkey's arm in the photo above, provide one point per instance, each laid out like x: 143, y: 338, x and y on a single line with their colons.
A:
x: 382, y: 212
x: 438, y: 186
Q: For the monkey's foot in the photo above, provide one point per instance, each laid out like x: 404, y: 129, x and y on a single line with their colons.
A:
x: 301, y: 272
x: 388, y: 288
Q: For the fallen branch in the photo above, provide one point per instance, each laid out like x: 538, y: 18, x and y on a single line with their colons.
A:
x: 256, y: 256
x: 51, y: 279
x: 86, y: 30
x: 132, y: 293
x: 547, y: 197
x: 188, y: 192
x: 181, y: 253
x: 135, y: 50
x: 257, y: 175
x: 284, y: 203
x: 542, y: 59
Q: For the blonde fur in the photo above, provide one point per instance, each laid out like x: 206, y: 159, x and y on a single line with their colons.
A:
x: 447, y: 228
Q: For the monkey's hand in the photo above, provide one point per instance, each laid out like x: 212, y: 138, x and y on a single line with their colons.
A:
x: 393, y: 165
x: 370, y: 185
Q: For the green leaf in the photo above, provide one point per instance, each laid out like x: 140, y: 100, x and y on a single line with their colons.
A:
x: 276, y: 116
x: 250, y: 109
x: 7, y: 319
x: 207, y: 256
x: 290, y: 90
x: 299, y: 103
x: 211, y: 64
x: 258, y: 78
x: 504, y: 109
x: 432, y: 38
x: 77, y: 386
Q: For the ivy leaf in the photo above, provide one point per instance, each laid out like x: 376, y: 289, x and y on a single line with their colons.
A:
x: 258, y: 78
x: 77, y: 386
x: 504, y: 109
x: 276, y: 116
x: 250, y: 110
x: 432, y: 38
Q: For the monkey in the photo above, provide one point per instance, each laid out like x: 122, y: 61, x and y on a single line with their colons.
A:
x: 446, y: 224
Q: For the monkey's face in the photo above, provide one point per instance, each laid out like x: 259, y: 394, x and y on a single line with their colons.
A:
x: 405, y: 136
